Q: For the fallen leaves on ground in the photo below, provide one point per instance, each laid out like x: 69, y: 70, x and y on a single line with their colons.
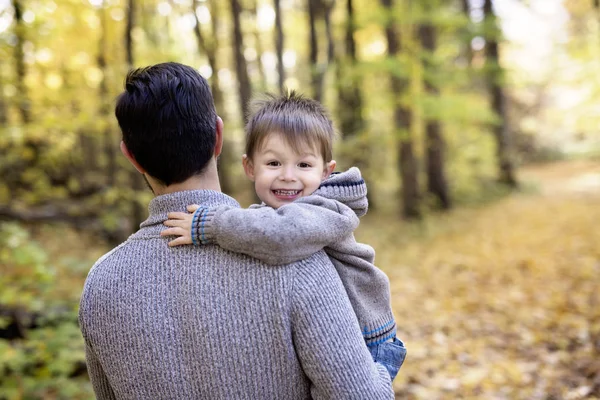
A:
x: 500, y: 302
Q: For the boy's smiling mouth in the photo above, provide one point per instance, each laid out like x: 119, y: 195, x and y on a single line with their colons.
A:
x: 286, y: 194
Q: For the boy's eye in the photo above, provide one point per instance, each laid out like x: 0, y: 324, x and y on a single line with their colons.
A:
x: 304, y: 165
x: 273, y: 164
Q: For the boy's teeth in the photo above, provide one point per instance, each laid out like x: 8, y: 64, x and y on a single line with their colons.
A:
x: 286, y: 192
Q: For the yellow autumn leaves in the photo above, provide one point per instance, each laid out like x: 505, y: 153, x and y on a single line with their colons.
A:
x: 500, y: 302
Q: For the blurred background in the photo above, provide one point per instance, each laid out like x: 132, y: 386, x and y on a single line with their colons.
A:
x: 476, y: 124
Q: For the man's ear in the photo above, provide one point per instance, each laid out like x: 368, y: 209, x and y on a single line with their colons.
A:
x: 219, y: 135
x: 329, y: 167
x: 248, y: 167
x: 131, y: 159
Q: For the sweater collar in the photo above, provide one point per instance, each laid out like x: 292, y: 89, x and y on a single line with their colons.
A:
x: 161, y: 205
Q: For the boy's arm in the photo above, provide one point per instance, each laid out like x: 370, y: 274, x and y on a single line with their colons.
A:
x: 275, y: 236
x: 327, y: 338
x: 293, y: 232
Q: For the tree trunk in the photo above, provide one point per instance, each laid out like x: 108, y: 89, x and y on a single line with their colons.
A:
x: 506, y: 173
x: 316, y: 75
x: 407, y: 163
x: 327, y: 8
x: 128, y: 30
x: 467, y: 52
x: 350, y: 104
x: 434, y: 143
x: 319, y: 10
x: 227, y: 159
x: 110, y: 144
x: 261, y: 85
x: 244, y: 88
x: 137, y: 184
x: 279, y: 45
x: 3, y: 102
x: 212, y: 58
x: 4, y: 168
x: 209, y: 47
x: 402, y: 124
x: 78, y: 169
x: 3, y: 106
x: 23, y: 98
x: 349, y: 96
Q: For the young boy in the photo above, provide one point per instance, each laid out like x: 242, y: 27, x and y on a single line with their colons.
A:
x: 305, y: 208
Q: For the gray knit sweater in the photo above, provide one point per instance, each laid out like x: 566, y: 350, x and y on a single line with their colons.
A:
x: 192, y: 322
x: 326, y: 219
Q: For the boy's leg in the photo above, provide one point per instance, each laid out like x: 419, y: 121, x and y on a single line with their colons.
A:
x: 390, y: 354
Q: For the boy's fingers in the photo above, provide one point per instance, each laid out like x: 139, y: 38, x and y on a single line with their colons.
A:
x: 175, y: 222
x: 193, y: 207
x: 167, y: 232
x: 177, y: 215
x: 179, y: 241
x: 173, y: 232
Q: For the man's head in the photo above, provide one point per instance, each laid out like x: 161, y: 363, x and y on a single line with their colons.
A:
x: 170, y: 128
x: 289, y: 142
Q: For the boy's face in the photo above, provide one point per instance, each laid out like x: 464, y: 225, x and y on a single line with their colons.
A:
x: 281, y: 175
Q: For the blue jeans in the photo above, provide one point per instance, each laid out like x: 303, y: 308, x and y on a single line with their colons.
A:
x: 390, y: 354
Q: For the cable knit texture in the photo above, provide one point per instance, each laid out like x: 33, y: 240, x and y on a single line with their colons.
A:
x: 324, y: 220
x: 200, y: 322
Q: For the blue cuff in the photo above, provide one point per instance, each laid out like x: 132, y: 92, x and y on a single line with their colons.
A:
x: 197, y: 216
x: 389, y: 354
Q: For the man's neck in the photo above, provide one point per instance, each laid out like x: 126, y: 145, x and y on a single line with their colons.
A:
x: 209, y: 180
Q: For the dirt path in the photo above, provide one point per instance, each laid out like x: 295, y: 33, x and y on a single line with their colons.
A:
x: 501, y: 301
x: 565, y: 178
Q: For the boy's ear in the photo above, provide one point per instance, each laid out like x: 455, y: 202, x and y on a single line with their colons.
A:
x: 329, y: 167
x: 219, y: 137
x: 248, y: 167
x: 131, y: 158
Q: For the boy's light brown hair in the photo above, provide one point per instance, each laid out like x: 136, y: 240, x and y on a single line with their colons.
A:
x: 300, y: 120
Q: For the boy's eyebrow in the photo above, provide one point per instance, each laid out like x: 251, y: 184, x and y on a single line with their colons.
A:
x: 265, y: 151
x: 275, y: 152
x: 308, y: 154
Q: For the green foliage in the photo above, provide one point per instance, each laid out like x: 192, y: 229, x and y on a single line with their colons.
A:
x: 42, y: 365
x: 470, y: 164
x: 26, y: 276
x: 48, y: 360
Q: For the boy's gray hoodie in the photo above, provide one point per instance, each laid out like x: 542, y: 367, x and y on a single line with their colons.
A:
x: 326, y: 219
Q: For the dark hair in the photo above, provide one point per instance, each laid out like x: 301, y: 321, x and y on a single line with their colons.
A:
x: 168, y: 120
x: 301, y: 121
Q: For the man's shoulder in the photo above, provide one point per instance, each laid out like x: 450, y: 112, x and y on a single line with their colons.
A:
x: 104, y: 261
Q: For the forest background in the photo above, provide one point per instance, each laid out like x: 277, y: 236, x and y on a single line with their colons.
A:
x: 475, y: 124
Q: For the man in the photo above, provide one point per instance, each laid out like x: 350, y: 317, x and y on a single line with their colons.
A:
x: 201, y: 322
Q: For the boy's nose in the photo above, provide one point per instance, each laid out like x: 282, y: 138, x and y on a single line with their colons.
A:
x: 287, y: 174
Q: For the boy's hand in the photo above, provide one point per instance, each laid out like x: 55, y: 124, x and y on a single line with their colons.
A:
x: 181, y: 225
